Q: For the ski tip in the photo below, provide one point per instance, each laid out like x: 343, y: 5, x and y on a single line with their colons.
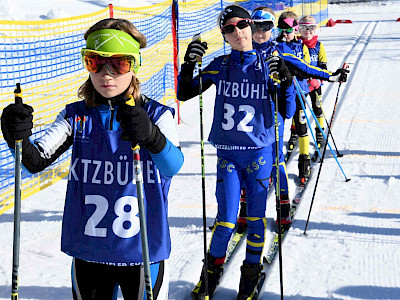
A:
x: 339, y: 155
x: 348, y: 179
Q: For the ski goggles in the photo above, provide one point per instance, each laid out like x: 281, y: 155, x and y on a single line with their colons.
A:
x: 287, y: 31
x: 262, y: 16
x: 241, y: 24
x: 116, y: 63
x: 115, y: 48
x: 263, y: 26
x: 304, y: 27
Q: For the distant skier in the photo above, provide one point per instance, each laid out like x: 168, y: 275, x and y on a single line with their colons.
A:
x: 287, y: 27
x: 307, y: 27
x: 243, y: 133
x: 100, y: 227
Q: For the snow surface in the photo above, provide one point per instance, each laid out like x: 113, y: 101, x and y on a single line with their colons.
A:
x: 352, y: 247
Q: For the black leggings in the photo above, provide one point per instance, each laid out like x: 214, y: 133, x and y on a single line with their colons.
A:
x: 100, y: 281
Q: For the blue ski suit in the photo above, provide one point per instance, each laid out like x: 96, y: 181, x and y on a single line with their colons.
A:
x: 243, y: 133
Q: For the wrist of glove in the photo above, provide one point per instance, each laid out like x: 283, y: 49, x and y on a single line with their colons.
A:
x: 137, y: 128
x: 187, y: 72
x: 340, y: 75
x: 16, y: 122
x: 277, y: 66
x: 195, y: 49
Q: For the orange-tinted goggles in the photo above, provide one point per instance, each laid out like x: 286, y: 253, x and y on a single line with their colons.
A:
x: 117, y: 64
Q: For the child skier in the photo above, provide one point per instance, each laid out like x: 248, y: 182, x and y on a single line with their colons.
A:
x: 287, y: 26
x: 307, y: 27
x: 264, y: 21
x: 243, y: 133
x: 100, y: 225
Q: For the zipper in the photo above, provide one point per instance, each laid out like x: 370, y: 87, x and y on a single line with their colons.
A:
x: 112, y: 115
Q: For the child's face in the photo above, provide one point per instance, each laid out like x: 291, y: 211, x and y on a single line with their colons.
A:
x: 109, y: 85
x: 307, y: 31
x: 239, y: 39
x: 261, y: 36
x: 289, y: 36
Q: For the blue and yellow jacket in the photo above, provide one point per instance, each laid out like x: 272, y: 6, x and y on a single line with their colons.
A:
x: 243, y: 110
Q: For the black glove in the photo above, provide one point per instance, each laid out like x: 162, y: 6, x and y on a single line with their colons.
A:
x: 139, y: 129
x: 277, y: 65
x: 340, y: 75
x: 195, y: 48
x: 16, y: 122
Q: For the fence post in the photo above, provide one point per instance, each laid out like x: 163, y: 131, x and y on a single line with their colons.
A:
x: 175, y: 41
x: 111, y: 10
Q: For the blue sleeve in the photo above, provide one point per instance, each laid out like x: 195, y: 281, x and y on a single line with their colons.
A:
x: 188, y: 87
x: 301, y: 66
x: 169, y: 161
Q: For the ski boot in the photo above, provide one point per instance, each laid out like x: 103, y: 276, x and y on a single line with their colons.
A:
x: 286, y: 219
x: 320, y: 138
x: 249, y: 280
x: 304, y: 168
x: 214, y: 271
x: 241, y: 220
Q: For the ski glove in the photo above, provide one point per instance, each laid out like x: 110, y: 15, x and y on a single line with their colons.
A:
x: 16, y: 122
x: 139, y: 129
x: 195, y: 48
x: 277, y: 65
x: 340, y: 75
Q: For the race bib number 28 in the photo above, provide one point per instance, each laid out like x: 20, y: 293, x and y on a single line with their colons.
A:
x: 126, y: 223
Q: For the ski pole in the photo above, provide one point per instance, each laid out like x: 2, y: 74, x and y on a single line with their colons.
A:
x: 197, y: 37
x: 319, y: 126
x: 142, y: 214
x: 278, y: 186
x: 326, y: 121
x: 17, y: 205
x: 323, y: 156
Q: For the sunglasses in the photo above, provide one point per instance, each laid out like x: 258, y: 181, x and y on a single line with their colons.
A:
x: 287, y: 31
x: 307, y: 27
x: 241, y: 24
x: 116, y: 64
x: 263, y: 26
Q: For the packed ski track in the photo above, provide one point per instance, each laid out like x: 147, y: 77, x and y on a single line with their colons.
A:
x: 351, y: 250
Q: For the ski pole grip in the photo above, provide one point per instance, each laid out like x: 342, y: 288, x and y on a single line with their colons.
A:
x: 131, y: 102
x: 197, y: 37
x: 275, y: 76
x: 18, y: 94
